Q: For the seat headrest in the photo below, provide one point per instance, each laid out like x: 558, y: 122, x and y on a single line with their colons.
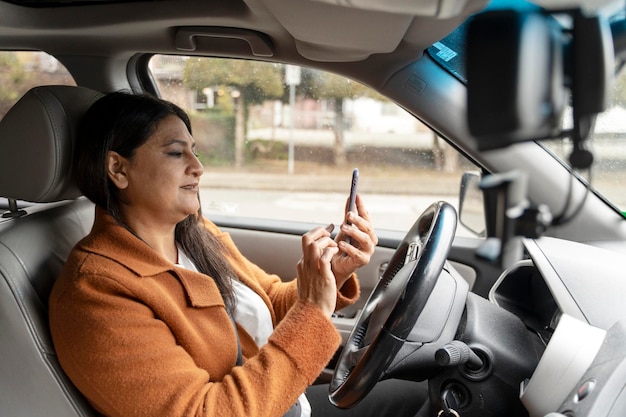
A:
x: 37, y: 139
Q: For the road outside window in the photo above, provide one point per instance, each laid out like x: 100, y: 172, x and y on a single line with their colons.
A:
x: 280, y: 142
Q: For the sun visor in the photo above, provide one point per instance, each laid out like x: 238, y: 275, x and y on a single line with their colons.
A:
x: 354, y: 30
x: 348, y: 31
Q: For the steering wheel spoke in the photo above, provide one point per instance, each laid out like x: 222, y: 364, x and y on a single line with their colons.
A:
x: 355, y: 355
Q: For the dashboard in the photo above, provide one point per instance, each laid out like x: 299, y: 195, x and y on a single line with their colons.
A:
x: 571, y: 296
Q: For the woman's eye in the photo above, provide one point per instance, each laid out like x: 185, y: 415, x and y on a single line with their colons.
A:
x: 175, y: 154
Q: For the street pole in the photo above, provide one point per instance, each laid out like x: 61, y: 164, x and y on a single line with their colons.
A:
x: 292, y: 102
x: 292, y: 78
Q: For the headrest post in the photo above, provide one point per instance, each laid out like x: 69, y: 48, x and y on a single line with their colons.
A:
x: 13, y: 210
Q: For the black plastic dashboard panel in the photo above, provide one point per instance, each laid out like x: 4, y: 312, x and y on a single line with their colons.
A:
x: 524, y: 293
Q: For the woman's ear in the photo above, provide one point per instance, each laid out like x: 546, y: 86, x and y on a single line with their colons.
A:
x: 116, y: 169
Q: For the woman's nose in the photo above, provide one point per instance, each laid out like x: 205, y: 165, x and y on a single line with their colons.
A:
x: 196, y: 166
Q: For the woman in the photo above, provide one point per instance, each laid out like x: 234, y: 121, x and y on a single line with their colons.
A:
x: 142, y: 314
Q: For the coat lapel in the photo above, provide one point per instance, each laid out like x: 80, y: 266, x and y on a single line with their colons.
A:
x: 111, y: 240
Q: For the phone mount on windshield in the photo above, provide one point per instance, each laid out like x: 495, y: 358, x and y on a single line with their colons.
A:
x: 523, y: 69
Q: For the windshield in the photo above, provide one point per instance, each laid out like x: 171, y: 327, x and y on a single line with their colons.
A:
x: 608, y: 144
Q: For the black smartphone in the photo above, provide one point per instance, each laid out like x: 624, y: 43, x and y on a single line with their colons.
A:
x: 352, y: 198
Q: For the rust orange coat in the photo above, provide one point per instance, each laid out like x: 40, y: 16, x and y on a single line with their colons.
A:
x: 141, y: 337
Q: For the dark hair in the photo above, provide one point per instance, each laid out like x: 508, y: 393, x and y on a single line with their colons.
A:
x: 122, y: 122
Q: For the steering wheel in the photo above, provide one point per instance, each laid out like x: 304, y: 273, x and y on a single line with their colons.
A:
x: 394, y: 305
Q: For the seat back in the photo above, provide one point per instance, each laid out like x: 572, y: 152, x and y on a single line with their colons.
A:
x: 36, y: 142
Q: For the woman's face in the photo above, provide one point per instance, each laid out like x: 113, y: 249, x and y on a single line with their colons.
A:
x: 160, y: 183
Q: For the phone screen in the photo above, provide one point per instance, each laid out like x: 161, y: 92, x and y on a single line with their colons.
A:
x: 353, y: 187
x: 352, y: 199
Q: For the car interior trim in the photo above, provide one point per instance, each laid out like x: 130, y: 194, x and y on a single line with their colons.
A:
x: 571, y: 350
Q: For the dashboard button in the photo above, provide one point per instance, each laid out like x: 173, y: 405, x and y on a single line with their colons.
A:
x: 584, y: 390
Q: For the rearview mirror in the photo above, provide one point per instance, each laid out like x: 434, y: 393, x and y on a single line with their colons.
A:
x: 523, y: 96
x: 523, y: 67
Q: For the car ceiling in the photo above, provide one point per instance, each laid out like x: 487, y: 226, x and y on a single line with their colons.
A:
x: 289, y: 28
x: 355, y: 32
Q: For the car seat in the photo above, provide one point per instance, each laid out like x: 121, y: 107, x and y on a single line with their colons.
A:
x: 36, y: 142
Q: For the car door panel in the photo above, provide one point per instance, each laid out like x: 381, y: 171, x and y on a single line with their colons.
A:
x: 276, y: 248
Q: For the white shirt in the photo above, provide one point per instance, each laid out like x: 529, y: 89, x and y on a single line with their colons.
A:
x: 252, y: 314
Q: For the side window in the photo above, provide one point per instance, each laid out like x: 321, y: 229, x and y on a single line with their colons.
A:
x: 280, y: 142
x: 22, y: 70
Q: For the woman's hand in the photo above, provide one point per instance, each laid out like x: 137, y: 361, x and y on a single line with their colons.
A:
x: 316, y: 282
x: 363, y: 241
